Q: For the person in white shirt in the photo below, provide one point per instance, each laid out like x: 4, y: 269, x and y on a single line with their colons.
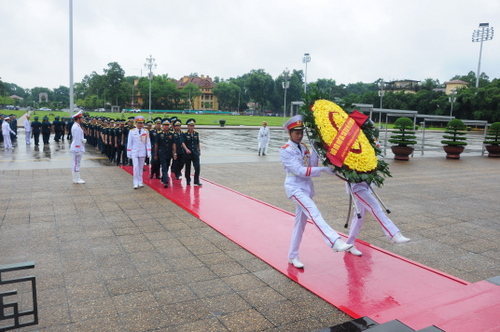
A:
x: 27, y: 129
x: 138, y: 148
x: 263, y: 138
x: 77, y: 147
x: 6, y: 131
x: 300, y: 166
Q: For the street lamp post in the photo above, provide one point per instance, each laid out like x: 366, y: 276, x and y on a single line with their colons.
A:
x: 484, y: 34
x: 150, y: 64
x: 306, y: 59
x: 381, y: 94
x: 286, y: 85
x: 452, y: 98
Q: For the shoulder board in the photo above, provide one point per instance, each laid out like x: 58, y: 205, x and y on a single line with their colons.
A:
x: 285, y: 146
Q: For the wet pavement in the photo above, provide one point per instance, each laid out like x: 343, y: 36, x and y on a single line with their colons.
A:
x: 110, y: 258
x: 219, y: 145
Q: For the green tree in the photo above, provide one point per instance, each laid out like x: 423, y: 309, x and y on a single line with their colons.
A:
x: 190, y: 92
x: 260, y: 86
x: 228, y: 94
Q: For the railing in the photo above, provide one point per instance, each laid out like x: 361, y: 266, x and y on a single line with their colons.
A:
x: 10, y: 312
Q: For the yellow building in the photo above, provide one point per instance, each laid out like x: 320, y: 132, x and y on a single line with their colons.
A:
x: 455, y: 85
x: 207, y: 100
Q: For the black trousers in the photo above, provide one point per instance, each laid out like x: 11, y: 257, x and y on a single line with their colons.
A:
x: 178, y: 165
x: 36, y: 136
x: 46, y: 137
x: 195, y: 160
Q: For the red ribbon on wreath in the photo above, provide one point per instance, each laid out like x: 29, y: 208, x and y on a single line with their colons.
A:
x: 345, y: 138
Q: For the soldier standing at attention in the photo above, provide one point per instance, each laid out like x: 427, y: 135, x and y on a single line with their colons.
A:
x: 120, y: 142
x: 77, y: 147
x: 138, y: 148
x: 300, y: 166
x: 36, y: 128
x: 178, y: 162
x: 263, y: 138
x: 129, y: 126
x: 165, y: 149
x: 153, y: 133
x: 27, y: 129
x: 191, y: 145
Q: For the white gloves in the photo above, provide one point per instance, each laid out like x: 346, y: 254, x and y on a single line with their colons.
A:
x: 84, y: 140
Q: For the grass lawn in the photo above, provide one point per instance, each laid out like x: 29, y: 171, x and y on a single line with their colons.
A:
x: 201, y: 119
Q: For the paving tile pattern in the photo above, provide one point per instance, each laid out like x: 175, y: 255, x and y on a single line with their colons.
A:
x: 110, y: 258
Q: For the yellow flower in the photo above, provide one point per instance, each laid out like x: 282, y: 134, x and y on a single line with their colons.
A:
x: 361, y: 158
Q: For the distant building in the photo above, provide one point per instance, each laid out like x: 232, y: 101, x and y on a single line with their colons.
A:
x: 207, y: 100
x: 455, y: 84
x: 407, y: 86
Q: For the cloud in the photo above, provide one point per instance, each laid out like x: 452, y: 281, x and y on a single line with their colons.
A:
x: 348, y: 41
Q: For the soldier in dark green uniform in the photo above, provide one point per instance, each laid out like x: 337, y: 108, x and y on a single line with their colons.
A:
x: 46, y: 130
x: 178, y: 163
x: 36, y: 129
x: 165, y: 149
x: 153, y: 133
x: 57, y: 129
x: 129, y: 126
x: 191, y: 145
x: 120, y: 142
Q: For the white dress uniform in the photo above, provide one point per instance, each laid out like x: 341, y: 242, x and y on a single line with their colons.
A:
x: 263, y: 140
x: 300, y: 166
x: 27, y: 130
x: 6, y: 130
x: 138, y: 148
x: 366, y: 202
x: 77, y: 149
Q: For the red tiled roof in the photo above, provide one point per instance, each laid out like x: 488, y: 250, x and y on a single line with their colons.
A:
x: 202, y: 82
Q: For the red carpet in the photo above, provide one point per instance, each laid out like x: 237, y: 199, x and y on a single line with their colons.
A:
x: 380, y: 284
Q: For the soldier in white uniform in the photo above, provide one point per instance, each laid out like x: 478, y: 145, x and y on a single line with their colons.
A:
x: 27, y: 129
x: 365, y: 201
x: 77, y: 147
x: 300, y: 166
x: 138, y: 148
x: 6, y: 131
x: 263, y: 138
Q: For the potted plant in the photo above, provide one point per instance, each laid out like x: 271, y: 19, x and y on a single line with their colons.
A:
x: 454, y: 139
x: 492, y: 140
x: 403, y: 137
x: 222, y: 122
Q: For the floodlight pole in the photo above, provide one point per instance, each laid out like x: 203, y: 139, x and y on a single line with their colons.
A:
x: 285, y: 85
x: 150, y: 64
x: 71, y: 87
x: 306, y: 59
x: 381, y: 94
x: 486, y: 33
x: 452, y: 98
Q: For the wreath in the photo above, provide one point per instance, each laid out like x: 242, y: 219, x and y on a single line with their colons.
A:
x: 325, y: 123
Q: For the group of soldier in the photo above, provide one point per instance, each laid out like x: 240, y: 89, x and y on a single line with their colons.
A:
x: 170, y: 146
x: 59, y: 127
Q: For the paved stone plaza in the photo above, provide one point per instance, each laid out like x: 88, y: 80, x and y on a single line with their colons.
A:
x: 110, y: 258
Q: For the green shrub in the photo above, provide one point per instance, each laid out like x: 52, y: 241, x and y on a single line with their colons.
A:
x: 454, y: 134
x: 493, y: 134
x: 403, y: 134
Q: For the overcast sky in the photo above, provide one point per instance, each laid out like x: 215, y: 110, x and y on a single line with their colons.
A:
x: 349, y: 41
